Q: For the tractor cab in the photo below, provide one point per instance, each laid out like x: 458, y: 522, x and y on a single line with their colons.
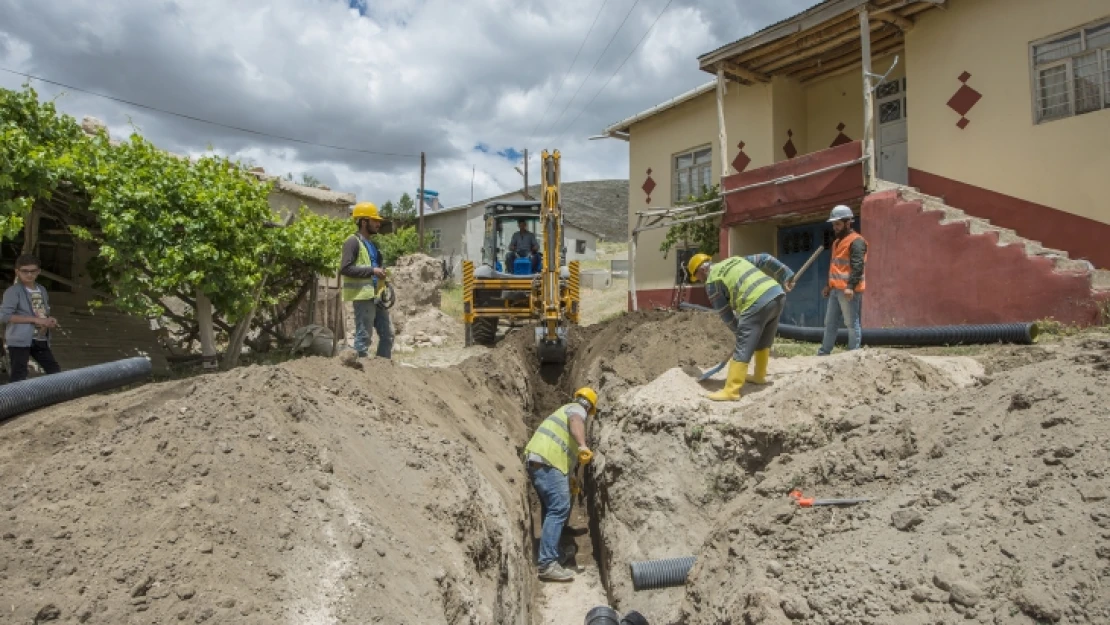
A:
x: 502, y: 221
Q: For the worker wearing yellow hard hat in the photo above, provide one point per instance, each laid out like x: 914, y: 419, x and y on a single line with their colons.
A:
x: 556, y: 448
x: 749, y: 293
x: 362, y: 266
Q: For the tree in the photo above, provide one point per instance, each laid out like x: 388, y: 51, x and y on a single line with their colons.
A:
x: 308, y: 180
x: 405, y: 213
x: 387, y: 210
x: 703, y: 235
x: 34, y: 154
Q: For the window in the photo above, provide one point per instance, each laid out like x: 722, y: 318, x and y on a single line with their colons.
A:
x: 693, y: 171
x: 434, y: 236
x: 1071, y: 73
x: 579, y: 246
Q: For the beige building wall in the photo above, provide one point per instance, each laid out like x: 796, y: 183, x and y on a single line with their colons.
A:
x: 789, y: 119
x: 1061, y: 163
x: 839, y: 100
x: 753, y: 239
x: 655, y: 141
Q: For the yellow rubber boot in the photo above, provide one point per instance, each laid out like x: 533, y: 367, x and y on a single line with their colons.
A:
x: 762, y: 357
x: 737, y: 371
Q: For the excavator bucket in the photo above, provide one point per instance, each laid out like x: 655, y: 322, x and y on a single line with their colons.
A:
x: 551, y: 351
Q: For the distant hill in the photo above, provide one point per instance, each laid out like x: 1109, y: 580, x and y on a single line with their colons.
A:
x: 600, y: 206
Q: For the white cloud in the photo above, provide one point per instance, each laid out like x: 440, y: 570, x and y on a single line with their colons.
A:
x: 438, y: 76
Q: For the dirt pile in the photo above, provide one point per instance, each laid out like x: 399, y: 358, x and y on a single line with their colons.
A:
x: 990, y: 505
x: 417, y: 279
x: 977, y: 467
x: 303, y: 493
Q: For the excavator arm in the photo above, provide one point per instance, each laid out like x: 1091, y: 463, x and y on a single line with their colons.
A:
x: 559, y: 299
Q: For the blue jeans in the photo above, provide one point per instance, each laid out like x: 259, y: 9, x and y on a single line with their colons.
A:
x: 368, y: 318
x: 840, y: 310
x: 553, y: 488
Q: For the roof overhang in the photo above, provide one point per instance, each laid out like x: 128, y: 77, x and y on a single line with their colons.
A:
x: 819, y: 42
x: 620, y: 129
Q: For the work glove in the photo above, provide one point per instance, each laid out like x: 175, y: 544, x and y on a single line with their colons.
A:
x: 585, y: 455
x: 575, y: 487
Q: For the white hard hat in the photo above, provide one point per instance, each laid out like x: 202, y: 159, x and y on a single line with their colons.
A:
x: 840, y: 212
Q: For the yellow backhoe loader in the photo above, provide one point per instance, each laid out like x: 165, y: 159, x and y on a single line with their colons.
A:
x: 530, y: 285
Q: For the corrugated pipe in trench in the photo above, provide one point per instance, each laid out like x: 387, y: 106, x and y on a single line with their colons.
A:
x: 1024, y: 333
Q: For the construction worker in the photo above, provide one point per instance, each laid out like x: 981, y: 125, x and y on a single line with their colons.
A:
x: 745, y: 291
x: 362, y: 267
x: 846, y: 283
x: 522, y: 244
x: 552, y: 455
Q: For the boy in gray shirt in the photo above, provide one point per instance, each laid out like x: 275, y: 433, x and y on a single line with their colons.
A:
x: 26, y: 311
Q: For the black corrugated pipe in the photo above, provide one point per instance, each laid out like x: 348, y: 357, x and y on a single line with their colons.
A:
x: 1016, y: 333
x: 19, y: 397
x: 661, y: 573
x: 604, y: 615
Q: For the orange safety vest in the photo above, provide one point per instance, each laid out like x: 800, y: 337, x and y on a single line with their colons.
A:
x: 841, y: 267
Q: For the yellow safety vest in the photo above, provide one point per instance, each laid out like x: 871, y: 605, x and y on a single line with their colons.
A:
x: 358, y: 289
x: 744, y: 282
x: 553, y: 442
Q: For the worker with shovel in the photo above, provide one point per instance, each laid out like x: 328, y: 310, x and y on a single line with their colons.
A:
x: 749, y: 293
x: 554, y: 451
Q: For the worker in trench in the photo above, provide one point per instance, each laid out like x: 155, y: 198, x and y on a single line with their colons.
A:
x: 362, y: 266
x: 551, y: 457
x: 749, y: 293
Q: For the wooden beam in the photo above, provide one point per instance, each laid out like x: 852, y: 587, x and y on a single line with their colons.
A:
x: 742, y: 72
x: 801, y: 40
x: 871, y: 167
x: 848, y: 37
x: 849, y: 55
x: 829, y: 72
x: 722, y: 89
x: 891, y: 17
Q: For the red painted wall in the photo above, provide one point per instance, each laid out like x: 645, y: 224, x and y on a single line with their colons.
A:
x: 799, y: 196
x: 922, y: 273
x: 1078, y: 236
x: 647, y: 299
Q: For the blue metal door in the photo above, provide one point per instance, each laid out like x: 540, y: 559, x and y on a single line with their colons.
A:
x: 804, y: 305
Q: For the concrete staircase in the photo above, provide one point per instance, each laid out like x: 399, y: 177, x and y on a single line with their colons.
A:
x: 1064, y: 264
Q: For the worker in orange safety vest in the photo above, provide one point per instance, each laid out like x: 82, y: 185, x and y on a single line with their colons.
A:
x: 846, y: 282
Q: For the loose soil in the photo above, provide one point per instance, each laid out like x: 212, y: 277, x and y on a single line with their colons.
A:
x: 311, y: 492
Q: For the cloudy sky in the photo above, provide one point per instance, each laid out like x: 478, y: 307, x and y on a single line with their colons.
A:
x: 469, y: 82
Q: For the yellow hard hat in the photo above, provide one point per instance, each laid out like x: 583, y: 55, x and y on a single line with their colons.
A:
x: 692, y: 266
x: 589, y: 395
x: 365, y: 210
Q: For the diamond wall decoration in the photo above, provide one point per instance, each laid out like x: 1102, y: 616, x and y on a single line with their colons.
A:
x: 649, y: 186
x: 963, y: 100
x: 789, y: 148
x: 841, y: 138
x: 741, y: 162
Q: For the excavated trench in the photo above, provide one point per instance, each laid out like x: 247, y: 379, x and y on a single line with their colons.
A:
x: 396, y: 495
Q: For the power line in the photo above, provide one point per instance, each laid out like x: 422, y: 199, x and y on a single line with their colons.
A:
x: 206, y: 121
x: 602, y: 55
x: 616, y: 71
x: 567, y: 73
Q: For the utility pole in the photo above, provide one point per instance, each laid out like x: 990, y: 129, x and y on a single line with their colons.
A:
x: 472, y: 169
x: 423, y: 166
x: 526, y: 196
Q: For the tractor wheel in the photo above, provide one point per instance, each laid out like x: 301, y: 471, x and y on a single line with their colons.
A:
x: 484, y: 330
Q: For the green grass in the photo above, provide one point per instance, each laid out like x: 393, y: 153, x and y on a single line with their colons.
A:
x: 785, y: 348
x: 451, y: 301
